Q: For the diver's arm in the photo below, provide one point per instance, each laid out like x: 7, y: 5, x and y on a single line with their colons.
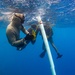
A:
x: 23, y: 29
x: 18, y: 42
x: 12, y: 39
x: 30, y: 30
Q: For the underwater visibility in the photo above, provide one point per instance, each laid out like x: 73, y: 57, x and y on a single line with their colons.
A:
x: 47, y: 44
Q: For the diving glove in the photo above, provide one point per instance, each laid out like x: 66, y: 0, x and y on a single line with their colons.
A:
x: 29, y: 37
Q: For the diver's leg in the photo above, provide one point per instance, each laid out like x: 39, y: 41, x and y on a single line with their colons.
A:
x: 22, y: 46
x: 53, y: 45
x: 44, y: 51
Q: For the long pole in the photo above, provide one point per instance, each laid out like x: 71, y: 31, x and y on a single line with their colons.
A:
x: 46, y: 45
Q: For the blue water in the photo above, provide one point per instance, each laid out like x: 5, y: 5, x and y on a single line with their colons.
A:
x: 27, y: 62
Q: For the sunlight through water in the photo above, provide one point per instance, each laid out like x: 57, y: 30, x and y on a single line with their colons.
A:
x: 55, y: 11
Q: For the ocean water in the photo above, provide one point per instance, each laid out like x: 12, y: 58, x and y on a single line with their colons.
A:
x: 61, y: 14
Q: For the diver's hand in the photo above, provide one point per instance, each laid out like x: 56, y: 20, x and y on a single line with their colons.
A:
x: 29, y: 37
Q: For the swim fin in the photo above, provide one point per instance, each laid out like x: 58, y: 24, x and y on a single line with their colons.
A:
x: 42, y: 54
x: 59, y: 56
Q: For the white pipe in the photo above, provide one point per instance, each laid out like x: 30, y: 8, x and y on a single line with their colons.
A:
x: 46, y: 45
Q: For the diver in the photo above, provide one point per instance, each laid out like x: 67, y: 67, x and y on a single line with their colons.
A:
x: 49, y: 34
x: 33, y: 30
x: 13, y: 32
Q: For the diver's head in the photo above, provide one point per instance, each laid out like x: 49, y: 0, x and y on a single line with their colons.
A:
x: 20, y: 16
x: 34, y: 26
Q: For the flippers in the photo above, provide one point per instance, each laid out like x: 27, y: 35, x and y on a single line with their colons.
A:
x: 21, y: 48
x: 59, y: 56
x: 42, y: 54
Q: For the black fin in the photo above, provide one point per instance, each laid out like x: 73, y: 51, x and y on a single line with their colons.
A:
x: 59, y: 56
x: 42, y: 54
